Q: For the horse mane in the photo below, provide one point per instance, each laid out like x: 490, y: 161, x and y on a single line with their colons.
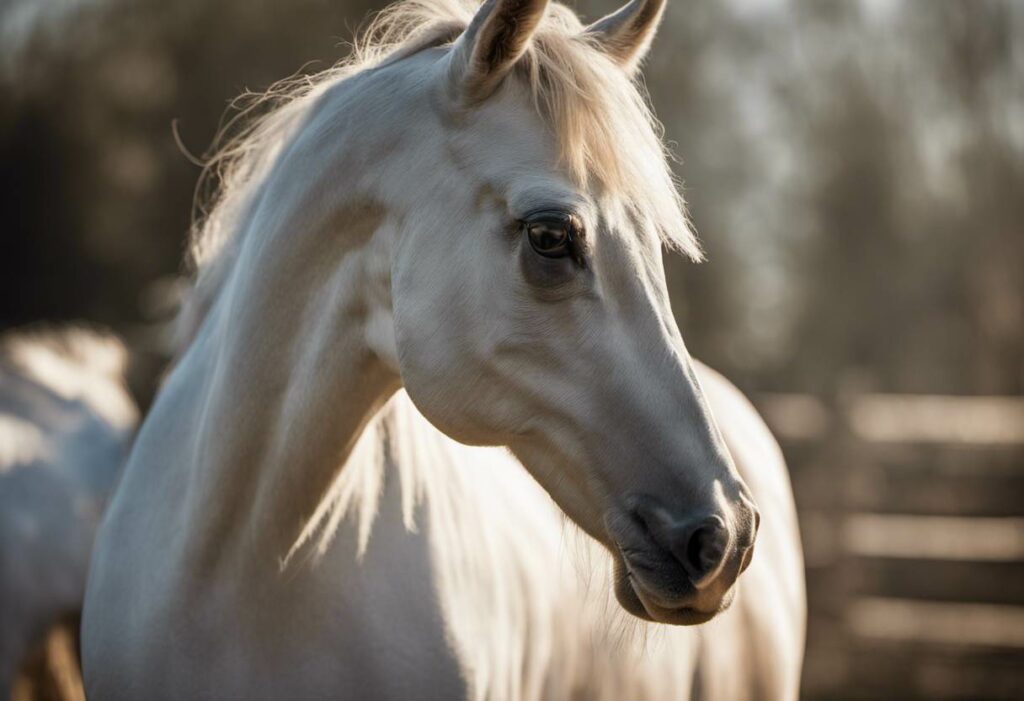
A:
x: 606, y: 132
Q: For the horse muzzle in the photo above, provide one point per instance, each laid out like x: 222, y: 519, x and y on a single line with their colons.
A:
x: 679, y: 570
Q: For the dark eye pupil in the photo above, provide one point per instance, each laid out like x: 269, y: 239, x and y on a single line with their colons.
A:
x: 549, y: 239
x: 554, y: 234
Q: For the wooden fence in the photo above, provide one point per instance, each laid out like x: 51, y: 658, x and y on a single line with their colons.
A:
x: 912, y: 518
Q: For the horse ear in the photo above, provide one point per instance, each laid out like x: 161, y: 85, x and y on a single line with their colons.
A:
x: 626, y: 34
x: 489, y: 48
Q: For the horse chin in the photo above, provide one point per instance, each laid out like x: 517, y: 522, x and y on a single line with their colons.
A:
x: 631, y: 596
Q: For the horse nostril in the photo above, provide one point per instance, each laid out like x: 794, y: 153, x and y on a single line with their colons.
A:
x: 703, y: 549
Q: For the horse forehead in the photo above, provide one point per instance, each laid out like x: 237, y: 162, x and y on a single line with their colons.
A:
x: 514, y: 154
x: 505, y: 132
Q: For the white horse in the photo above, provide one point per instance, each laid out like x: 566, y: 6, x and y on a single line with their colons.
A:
x: 65, y: 423
x: 453, y: 240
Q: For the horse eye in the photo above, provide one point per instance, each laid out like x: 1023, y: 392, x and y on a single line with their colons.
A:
x: 553, y: 234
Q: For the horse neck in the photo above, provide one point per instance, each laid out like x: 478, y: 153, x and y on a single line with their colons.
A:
x: 289, y: 367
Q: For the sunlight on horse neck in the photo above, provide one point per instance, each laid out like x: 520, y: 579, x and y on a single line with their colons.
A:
x: 301, y: 347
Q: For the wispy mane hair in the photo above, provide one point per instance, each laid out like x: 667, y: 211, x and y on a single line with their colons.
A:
x: 607, y: 135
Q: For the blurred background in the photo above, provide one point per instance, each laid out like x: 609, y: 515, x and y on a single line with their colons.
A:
x: 855, y: 170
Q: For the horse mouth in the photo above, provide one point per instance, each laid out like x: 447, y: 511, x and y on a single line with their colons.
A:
x: 638, y: 598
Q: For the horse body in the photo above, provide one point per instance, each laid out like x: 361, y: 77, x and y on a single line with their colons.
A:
x: 405, y: 263
x: 65, y: 423
x: 470, y: 585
